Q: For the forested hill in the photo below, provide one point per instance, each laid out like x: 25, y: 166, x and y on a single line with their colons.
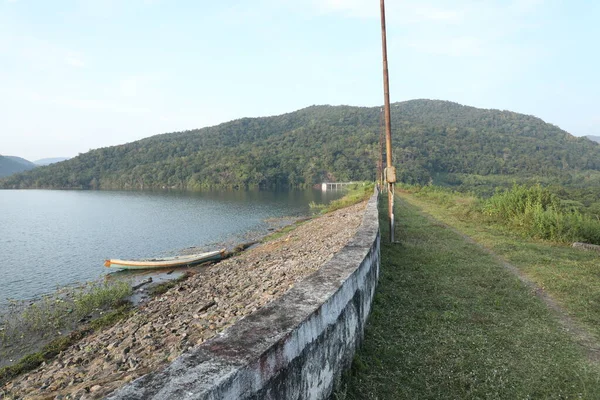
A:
x: 325, y: 143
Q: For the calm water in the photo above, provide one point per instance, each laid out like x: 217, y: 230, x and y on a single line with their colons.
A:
x: 56, y: 238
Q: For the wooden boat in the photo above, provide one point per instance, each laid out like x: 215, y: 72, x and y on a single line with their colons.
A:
x: 169, y: 262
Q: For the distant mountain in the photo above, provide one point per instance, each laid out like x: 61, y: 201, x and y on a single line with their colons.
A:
x: 48, y: 161
x: 431, y: 138
x: 22, y: 161
x: 594, y: 138
x: 10, y: 165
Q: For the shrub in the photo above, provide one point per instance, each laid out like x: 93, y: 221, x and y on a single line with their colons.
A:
x: 539, y: 213
x: 532, y: 210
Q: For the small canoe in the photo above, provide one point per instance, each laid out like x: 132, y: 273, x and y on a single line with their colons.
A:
x: 169, y: 262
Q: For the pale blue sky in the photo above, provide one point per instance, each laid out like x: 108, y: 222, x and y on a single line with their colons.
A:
x: 83, y: 74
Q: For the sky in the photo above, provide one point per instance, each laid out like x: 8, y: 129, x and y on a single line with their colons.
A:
x: 77, y: 75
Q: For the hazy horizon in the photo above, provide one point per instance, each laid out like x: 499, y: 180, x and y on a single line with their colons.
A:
x: 85, y: 74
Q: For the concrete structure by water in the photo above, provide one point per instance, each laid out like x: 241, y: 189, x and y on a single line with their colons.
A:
x: 293, y: 348
x: 325, y: 186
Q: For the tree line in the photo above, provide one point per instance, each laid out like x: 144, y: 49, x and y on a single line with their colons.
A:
x: 328, y: 143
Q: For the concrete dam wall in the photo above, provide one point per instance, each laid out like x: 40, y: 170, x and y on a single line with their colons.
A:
x: 293, y: 348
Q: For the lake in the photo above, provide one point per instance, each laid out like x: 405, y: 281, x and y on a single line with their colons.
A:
x: 51, y: 238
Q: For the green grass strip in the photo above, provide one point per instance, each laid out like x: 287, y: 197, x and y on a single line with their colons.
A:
x: 449, y: 322
x: 570, y: 276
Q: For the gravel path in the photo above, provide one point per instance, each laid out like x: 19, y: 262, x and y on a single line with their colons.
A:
x: 188, y: 314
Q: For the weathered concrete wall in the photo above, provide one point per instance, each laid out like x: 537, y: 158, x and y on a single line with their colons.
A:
x: 294, y: 348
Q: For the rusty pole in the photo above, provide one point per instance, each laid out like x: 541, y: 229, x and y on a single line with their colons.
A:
x: 390, y: 171
x: 380, y: 177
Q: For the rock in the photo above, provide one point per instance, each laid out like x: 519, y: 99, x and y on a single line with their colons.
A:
x: 206, y: 306
x: 80, y: 394
x: 95, y: 388
x: 112, y: 345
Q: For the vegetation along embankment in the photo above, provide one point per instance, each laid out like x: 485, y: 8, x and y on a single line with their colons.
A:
x: 33, y: 332
x: 101, y: 357
x: 474, y: 304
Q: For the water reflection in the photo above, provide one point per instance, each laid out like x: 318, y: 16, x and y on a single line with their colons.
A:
x: 55, y: 238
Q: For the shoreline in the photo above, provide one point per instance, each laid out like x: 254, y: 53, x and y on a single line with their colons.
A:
x: 166, y: 326
x: 66, y: 243
x: 142, y: 290
x: 274, y: 224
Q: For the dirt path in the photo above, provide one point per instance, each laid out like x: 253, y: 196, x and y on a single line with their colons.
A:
x: 188, y: 314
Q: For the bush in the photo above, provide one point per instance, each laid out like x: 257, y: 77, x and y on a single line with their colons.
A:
x: 532, y: 210
x: 539, y: 213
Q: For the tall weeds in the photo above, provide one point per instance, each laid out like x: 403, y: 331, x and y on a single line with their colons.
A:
x: 531, y: 210
x: 539, y: 213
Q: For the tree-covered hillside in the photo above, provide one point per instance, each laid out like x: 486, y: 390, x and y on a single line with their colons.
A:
x: 321, y: 143
x: 11, y: 165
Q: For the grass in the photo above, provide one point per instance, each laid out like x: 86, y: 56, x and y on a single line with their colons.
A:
x: 37, y: 332
x: 32, y: 361
x: 30, y: 326
x: 541, y: 214
x: 532, y: 210
x: 60, y: 311
x: 448, y: 322
x: 50, y: 350
x: 110, y: 318
x: 101, y: 304
x: 97, y: 296
x: 568, y: 275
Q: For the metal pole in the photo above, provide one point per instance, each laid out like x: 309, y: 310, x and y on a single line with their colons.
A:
x: 380, y: 177
x: 390, y: 171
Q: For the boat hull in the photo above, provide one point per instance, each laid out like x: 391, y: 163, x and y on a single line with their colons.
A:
x: 172, y: 262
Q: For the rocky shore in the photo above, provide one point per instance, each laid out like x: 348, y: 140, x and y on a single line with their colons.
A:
x: 188, y: 314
